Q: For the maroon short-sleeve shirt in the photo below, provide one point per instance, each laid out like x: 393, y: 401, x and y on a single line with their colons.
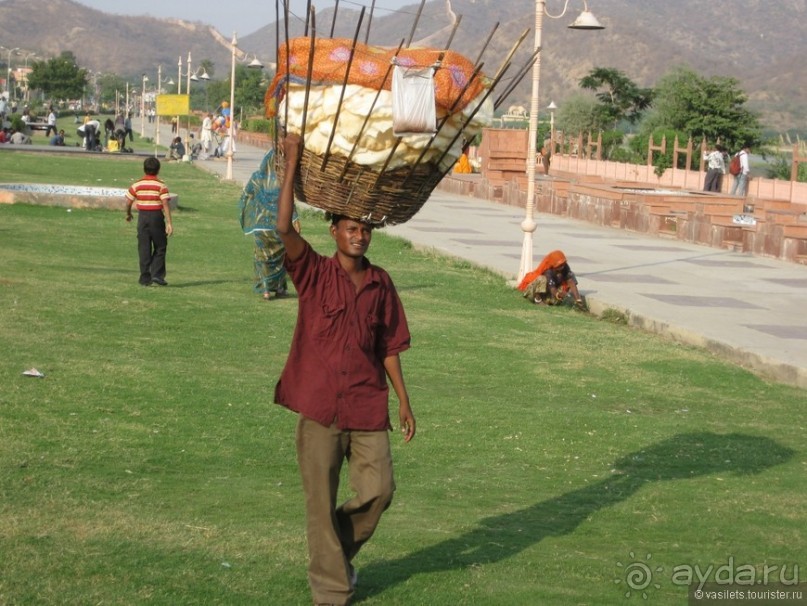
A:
x: 335, y: 369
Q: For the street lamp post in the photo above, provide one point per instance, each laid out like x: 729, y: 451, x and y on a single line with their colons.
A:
x: 231, y: 133
x: 585, y: 21
x: 256, y: 64
x: 179, y: 91
x: 169, y: 82
x: 190, y: 76
x: 204, y: 77
x: 8, y: 76
x: 143, y: 107
x: 194, y: 76
x: 27, y: 88
x: 552, y: 107
x: 159, y: 92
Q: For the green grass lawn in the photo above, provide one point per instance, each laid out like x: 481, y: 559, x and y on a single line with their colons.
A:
x: 556, y: 456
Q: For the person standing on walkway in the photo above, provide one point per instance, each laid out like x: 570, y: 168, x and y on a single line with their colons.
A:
x: 715, y: 168
x: 546, y: 154
x: 740, y: 187
x: 351, y: 328
x: 127, y: 128
x: 154, y: 224
x: 207, y: 136
x: 228, y: 142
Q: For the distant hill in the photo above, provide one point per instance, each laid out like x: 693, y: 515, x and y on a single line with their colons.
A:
x: 128, y: 46
x: 760, y: 43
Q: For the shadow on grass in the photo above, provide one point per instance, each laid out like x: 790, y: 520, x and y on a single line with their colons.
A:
x: 496, y: 538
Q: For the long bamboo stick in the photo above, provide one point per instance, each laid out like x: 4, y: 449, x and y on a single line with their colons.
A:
x: 525, y: 69
x: 313, y: 19
x: 415, y: 24
x: 288, y: 59
x: 369, y: 22
x: 342, y: 93
x: 499, y: 75
x: 370, y: 112
x: 335, y: 12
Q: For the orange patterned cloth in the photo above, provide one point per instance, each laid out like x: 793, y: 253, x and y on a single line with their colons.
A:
x: 369, y: 69
x: 553, y: 260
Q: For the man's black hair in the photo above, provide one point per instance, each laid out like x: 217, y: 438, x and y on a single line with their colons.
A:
x: 335, y: 218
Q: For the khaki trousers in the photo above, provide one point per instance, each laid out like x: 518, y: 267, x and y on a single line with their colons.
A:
x: 335, y: 534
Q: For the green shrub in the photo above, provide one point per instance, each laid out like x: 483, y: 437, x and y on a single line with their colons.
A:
x: 661, y: 164
x: 626, y: 155
x: 639, y: 144
x: 17, y: 123
x: 779, y: 167
x: 611, y: 141
x: 259, y: 125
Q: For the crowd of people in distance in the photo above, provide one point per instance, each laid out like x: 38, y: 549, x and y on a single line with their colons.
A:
x: 8, y: 133
x: 214, y: 135
x: 112, y: 138
x: 14, y: 136
x: 215, y: 138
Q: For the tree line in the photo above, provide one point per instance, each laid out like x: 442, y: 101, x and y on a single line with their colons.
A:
x: 683, y: 103
x: 61, y: 78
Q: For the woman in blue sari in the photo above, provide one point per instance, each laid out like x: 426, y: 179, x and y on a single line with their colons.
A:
x: 258, y: 207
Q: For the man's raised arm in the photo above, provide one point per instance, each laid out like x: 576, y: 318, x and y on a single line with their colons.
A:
x: 292, y: 240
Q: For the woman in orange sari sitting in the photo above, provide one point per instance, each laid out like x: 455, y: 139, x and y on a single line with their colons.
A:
x: 463, y: 165
x: 551, y: 282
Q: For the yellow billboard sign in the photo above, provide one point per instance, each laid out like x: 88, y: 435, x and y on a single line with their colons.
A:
x: 173, y: 105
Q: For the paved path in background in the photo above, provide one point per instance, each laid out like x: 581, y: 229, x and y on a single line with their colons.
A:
x: 747, y: 309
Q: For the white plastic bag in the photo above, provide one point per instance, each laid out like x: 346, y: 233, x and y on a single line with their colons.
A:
x: 413, y: 106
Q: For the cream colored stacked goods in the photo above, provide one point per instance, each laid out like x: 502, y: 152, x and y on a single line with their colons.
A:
x: 376, y: 140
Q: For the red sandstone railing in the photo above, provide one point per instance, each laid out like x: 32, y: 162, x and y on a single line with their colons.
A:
x: 760, y: 188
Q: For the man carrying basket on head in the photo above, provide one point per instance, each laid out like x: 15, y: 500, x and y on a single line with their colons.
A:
x: 351, y: 328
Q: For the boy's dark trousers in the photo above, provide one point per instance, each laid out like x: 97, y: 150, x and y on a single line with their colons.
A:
x: 151, y: 245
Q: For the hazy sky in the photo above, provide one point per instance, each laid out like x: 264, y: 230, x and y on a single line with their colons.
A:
x: 242, y: 16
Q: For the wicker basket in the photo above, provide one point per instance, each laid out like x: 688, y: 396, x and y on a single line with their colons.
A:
x: 363, y: 194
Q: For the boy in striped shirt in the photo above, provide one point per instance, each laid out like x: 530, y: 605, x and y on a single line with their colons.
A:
x: 153, y: 222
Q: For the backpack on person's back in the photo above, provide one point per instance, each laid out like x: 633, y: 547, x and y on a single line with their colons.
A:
x: 735, y: 166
